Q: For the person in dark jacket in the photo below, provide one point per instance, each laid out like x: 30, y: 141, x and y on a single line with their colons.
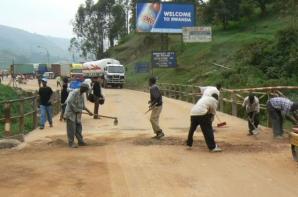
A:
x: 64, y: 95
x: 45, y: 94
x: 97, y: 92
x: 155, y: 104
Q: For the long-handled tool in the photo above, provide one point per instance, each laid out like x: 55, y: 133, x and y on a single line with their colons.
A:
x: 255, y: 131
x: 150, y: 108
x: 110, y: 117
x: 220, y: 124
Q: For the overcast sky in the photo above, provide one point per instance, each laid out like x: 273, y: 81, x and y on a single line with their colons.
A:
x: 46, y: 17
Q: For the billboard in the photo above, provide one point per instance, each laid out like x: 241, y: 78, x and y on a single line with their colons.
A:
x: 164, y: 59
x: 197, y: 34
x: 164, y: 17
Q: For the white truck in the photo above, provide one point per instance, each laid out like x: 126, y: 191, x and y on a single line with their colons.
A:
x: 109, y: 69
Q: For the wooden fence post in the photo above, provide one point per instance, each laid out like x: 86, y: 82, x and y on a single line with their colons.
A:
x: 35, y: 121
x: 221, y: 104
x: 7, y: 109
x: 234, y: 105
x: 193, y: 94
x: 269, y: 124
x: 21, y: 123
x: 180, y: 97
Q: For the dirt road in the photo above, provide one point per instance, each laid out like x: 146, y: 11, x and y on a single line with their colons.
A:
x: 123, y: 160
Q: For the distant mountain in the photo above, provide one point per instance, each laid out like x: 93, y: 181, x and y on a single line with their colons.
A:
x: 26, y: 47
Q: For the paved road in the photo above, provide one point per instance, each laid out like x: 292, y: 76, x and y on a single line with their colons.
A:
x: 123, y: 160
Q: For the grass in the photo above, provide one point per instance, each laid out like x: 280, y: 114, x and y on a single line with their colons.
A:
x: 8, y: 93
x: 195, y: 60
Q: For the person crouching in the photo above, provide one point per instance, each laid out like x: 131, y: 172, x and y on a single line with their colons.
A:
x: 73, y: 113
x: 202, y: 114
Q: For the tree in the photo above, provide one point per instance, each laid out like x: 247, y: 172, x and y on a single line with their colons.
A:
x: 222, y: 11
x: 132, y: 21
x: 263, y: 5
x: 117, y: 29
x: 91, y: 26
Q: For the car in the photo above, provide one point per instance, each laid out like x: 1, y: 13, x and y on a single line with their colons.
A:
x: 48, y: 75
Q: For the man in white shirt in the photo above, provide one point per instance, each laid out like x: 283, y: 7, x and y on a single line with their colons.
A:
x: 202, y: 114
x: 252, y: 107
x: 209, y: 90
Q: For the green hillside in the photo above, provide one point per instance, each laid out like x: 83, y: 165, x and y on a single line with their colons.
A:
x: 23, y: 46
x: 196, y: 61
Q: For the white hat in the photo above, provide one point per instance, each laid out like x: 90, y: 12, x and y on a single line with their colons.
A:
x: 44, y: 79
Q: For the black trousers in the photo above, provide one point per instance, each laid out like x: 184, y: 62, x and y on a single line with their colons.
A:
x: 96, y: 107
x: 254, y: 117
x: 205, y: 123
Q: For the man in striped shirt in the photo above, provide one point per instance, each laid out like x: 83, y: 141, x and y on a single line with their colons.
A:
x: 278, y: 108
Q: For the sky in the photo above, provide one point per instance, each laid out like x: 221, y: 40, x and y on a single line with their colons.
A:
x: 46, y: 17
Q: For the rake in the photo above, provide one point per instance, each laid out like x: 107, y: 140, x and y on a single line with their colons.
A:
x: 109, y: 117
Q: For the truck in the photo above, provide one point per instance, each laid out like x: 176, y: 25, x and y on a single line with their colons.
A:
x: 22, y: 69
x: 112, y: 72
x: 61, y: 70
x: 42, y: 68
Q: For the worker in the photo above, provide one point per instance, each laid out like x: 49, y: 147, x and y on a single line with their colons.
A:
x: 252, y: 107
x: 155, y: 105
x: 209, y: 90
x: 39, y: 78
x: 98, y: 96
x: 279, y: 107
x: 202, y: 114
x: 73, y: 113
x: 59, y: 81
x: 64, y: 95
x: 45, y: 94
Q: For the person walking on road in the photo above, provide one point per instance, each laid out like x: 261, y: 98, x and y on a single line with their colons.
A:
x: 39, y: 80
x: 73, y: 113
x: 45, y: 94
x: 98, y: 96
x: 202, y: 114
x: 64, y: 95
x: 155, y: 105
x: 59, y: 81
x: 252, y: 107
x: 279, y: 107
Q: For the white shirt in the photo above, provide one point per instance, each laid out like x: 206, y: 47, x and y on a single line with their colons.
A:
x: 254, y: 107
x: 206, y: 104
x: 209, y: 90
x: 88, y: 82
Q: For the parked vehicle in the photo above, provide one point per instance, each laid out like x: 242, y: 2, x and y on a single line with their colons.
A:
x: 21, y: 69
x: 61, y: 70
x: 42, y: 68
x: 112, y: 71
x: 48, y: 75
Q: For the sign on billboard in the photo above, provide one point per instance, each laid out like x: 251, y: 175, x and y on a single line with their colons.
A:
x: 197, y: 34
x: 164, y: 17
x: 164, y: 59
